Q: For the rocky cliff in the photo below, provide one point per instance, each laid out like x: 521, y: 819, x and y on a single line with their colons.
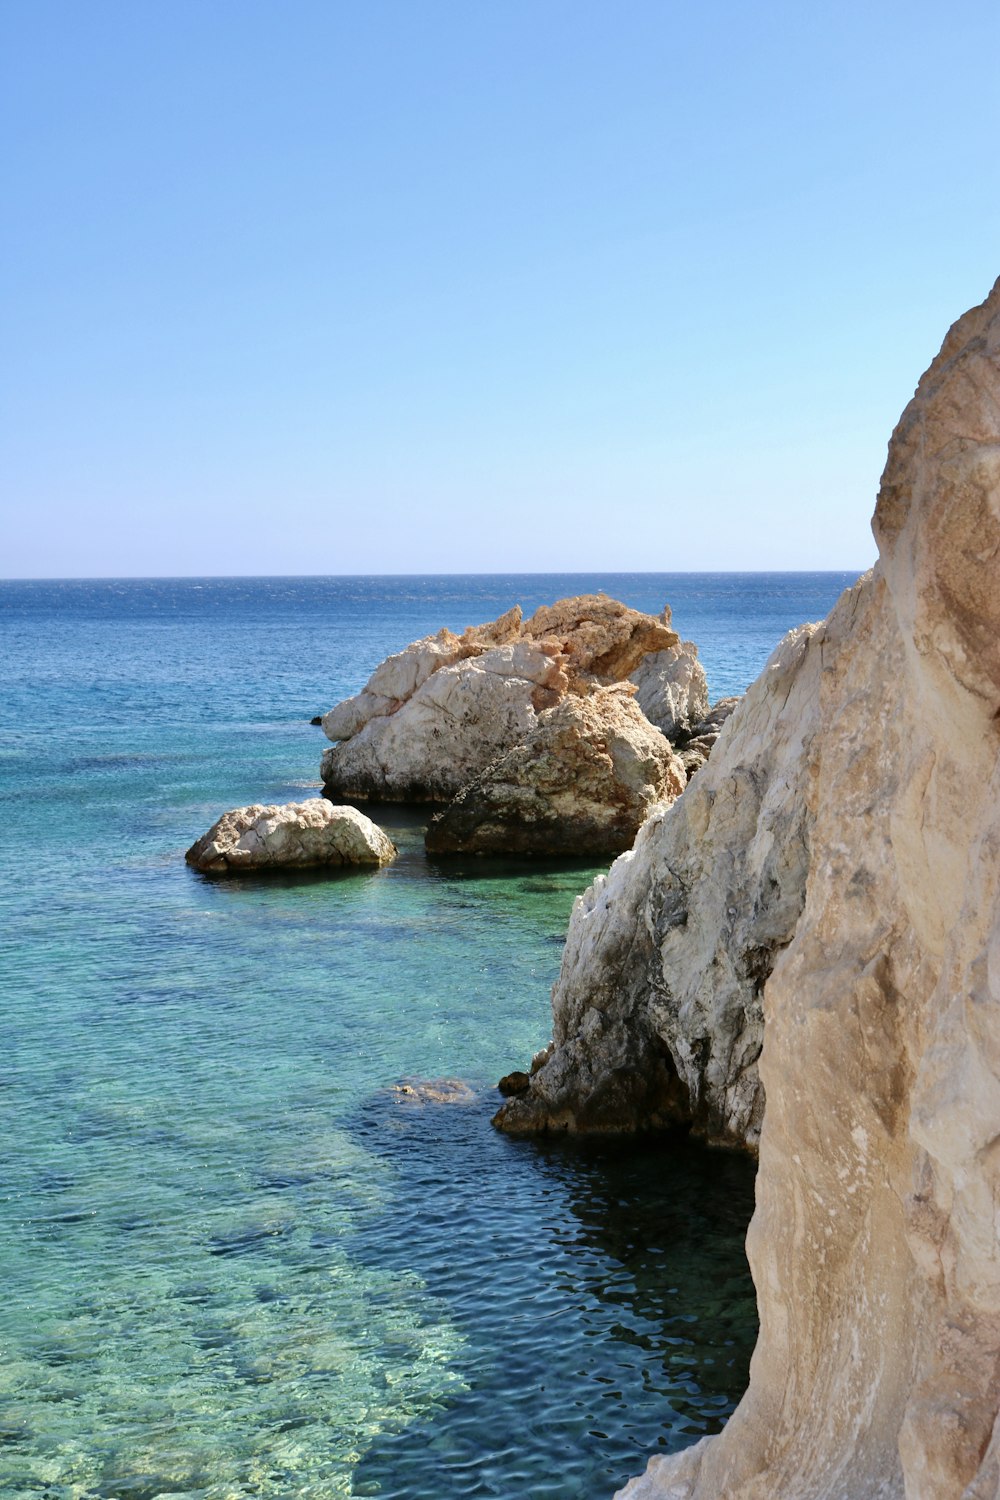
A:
x: 834, y: 873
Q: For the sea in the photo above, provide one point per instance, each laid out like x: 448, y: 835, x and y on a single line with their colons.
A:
x: 237, y: 1259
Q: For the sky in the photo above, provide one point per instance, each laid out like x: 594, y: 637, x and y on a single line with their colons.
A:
x: 321, y: 287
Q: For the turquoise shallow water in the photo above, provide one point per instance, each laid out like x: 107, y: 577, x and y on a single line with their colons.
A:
x: 236, y: 1261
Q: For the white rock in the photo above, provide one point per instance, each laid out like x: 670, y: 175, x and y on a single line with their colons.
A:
x: 850, y: 826
x: 434, y: 716
x: 295, y: 835
x: 672, y: 689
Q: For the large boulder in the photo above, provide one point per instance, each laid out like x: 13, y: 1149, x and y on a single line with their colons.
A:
x: 292, y: 836
x: 876, y: 780
x: 434, y: 716
x: 580, y: 783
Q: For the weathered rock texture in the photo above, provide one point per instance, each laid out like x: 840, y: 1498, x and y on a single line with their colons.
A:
x: 581, y: 783
x: 656, y: 1011
x: 697, y: 745
x: 874, y: 802
x: 672, y: 690
x: 435, y: 715
x: 293, y: 836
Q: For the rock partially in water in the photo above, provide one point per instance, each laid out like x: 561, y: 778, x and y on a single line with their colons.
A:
x: 434, y: 1091
x: 292, y: 836
x: 836, y: 868
x: 656, y: 1011
x: 581, y: 783
x: 434, y: 716
x: 513, y: 1083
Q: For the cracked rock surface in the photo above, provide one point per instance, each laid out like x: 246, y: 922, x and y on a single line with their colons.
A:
x: 657, y: 1009
x: 846, y: 832
x: 433, y: 717
x: 580, y: 783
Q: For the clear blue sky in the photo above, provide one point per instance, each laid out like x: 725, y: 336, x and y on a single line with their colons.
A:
x: 476, y: 285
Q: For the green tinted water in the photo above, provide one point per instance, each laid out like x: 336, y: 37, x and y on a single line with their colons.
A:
x: 237, y: 1262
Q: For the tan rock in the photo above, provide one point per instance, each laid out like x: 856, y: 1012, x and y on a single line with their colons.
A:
x: 874, y: 1245
x: 434, y: 716
x: 581, y: 783
x: 600, y: 636
x: 295, y: 835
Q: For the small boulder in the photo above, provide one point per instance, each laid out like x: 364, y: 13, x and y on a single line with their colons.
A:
x: 293, y: 836
x: 697, y: 746
x: 717, y: 715
x: 514, y: 1083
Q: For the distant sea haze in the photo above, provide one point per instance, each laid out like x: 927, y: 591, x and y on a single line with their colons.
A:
x: 235, y: 1260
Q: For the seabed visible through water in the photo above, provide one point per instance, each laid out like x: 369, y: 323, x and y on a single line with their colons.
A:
x: 236, y: 1261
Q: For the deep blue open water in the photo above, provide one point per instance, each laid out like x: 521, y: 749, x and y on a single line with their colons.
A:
x: 235, y: 1262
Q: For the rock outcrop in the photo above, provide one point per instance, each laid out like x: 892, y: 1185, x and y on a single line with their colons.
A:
x: 656, y: 1012
x: 581, y: 783
x: 434, y: 716
x: 865, y: 872
x: 293, y: 836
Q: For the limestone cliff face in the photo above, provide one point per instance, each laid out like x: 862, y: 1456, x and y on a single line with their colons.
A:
x: 875, y: 1245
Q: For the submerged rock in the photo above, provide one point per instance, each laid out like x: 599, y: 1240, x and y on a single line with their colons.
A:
x: 293, y: 836
x: 434, y: 1091
x: 581, y: 783
x: 434, y: 716
x: 849, y: 833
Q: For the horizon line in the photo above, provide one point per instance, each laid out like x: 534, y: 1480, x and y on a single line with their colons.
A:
x: 502, y: 573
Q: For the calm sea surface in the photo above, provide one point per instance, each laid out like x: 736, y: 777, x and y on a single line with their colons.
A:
x: 235, y: 1262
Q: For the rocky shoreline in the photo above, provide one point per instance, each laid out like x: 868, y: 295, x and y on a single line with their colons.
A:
x: 554, y: 736
x: 814, y: 918
x: 818, y: 917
